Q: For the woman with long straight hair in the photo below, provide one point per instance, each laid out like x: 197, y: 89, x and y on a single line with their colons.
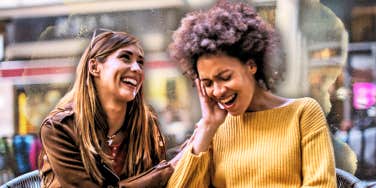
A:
x: 102, y: 132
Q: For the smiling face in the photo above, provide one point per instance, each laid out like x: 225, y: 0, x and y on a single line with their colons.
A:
x: 121, y: 75
x: 228, y: 81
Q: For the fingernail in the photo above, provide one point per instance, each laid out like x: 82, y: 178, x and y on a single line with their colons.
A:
x: 221, y: 106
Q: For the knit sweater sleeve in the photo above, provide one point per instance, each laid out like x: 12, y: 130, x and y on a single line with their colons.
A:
x: 191, y: 170
x: 318, y: 166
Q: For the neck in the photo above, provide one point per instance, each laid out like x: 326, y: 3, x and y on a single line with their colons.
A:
x: 115, y: 116
x: 264, y: 100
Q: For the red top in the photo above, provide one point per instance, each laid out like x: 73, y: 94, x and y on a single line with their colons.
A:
x: 118, y: 158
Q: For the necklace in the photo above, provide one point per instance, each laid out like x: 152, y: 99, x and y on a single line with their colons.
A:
x: 111, y: 138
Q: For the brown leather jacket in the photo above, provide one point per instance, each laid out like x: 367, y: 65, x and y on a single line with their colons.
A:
x: 62, y: 164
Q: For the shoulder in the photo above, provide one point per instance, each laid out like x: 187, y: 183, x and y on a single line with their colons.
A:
x: 307, y: 105
x: 307, y: 102
x: 60, y: 128
x: 295, y: 106
x: 312, y: 117
x: 60, y: 120
x: 58, y: 115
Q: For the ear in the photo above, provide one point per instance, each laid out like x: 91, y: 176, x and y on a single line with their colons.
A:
x: 94, y: 68
x: 251, y: 66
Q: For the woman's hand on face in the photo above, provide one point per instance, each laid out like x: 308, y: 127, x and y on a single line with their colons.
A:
x: 212, y: 115
x: 212, y: 118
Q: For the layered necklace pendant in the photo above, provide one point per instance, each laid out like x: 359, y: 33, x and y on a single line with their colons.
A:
x: 112, y: 137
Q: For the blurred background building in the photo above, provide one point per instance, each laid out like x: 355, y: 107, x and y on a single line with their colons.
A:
x: 330, y: 49
x: 353, y: 94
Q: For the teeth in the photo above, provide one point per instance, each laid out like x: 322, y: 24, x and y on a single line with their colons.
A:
x: 228, y: 99
x: 130, y: 80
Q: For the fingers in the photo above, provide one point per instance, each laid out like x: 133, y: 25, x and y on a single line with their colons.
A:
x: 199, y: 87
x: 221, y: 106
x: 203, y: 89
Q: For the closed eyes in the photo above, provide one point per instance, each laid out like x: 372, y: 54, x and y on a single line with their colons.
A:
x: 225, y: 77
x: 221, y: 77
x: 207, y: 83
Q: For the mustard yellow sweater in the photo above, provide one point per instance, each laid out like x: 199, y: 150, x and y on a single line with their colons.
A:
x: 287, y: 146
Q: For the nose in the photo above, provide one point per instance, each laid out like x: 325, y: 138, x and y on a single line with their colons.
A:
x: 136, y: 67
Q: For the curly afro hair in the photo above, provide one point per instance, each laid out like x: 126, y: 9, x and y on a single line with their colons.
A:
x: 234, y: 29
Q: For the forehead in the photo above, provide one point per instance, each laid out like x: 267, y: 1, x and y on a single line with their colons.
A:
x: 213, y: 64
x: 132, y: 48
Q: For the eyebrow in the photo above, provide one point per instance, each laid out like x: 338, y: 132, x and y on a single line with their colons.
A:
x: 130, y: 53
x: 222, y: 72
x: 217, y: 75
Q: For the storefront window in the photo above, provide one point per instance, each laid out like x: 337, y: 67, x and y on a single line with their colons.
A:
x: 363, y: 23
x: 34, y: 102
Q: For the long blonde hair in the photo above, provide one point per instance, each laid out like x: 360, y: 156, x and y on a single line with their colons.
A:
x: 144, y: 149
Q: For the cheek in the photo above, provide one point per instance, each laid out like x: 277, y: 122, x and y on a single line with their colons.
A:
x: 249, y: 78
x: 141, y: 81
x: 250, y: 86
x: 242, y: 84
x: 142, y: 77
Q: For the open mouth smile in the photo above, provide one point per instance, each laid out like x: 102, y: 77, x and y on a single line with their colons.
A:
x: 129, y: 81
x: 228, y: 101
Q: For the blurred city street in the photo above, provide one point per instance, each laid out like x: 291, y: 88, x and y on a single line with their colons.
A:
x: 329, y: 46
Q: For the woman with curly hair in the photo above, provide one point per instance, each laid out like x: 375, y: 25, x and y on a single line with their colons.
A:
x: 102, y: 133
x: 247, y: 136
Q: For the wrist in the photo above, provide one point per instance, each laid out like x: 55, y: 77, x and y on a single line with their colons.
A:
x: 204, y: 134
x: 206, y: 126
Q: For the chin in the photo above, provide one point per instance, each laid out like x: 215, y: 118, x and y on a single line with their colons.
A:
x: 235, y: 113
x: 127, y: 97
x: 130, y: 99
